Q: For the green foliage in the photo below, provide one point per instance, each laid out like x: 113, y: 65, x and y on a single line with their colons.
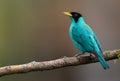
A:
x: 107, y: 53
x: 118, y: 55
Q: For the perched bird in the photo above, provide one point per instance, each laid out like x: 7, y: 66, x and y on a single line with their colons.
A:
x: 84, y: 38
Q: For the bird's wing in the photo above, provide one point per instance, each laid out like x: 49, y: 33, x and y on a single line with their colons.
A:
x: 93, y: 37
x: 84, y: 40
x: 88, y: 42
x: 98, y: 43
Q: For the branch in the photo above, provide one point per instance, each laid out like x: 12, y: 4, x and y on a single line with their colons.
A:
x: 58, y: 63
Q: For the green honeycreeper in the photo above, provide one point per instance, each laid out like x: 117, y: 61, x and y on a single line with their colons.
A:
x: 84, y: 38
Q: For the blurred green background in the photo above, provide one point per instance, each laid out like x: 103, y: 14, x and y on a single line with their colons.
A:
x: 36, y: 30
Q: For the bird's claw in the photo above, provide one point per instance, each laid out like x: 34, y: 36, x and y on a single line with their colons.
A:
x: 78, y: 55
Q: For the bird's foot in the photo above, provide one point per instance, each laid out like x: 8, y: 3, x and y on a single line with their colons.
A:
x: 78, y: 55
x: 92, y: 56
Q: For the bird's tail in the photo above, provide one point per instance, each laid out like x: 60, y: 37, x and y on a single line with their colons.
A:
x: 103, y: 62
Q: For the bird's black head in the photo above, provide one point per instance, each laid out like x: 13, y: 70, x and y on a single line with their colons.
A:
x: 76, y: 16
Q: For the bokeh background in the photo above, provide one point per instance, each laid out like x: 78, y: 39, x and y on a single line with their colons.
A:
x: 36, y: 30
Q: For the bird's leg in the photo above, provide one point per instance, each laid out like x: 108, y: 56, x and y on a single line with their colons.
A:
x: 92, y: 55
x: 78, y: 55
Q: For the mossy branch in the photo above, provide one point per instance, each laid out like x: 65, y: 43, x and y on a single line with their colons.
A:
x: 58, y: 63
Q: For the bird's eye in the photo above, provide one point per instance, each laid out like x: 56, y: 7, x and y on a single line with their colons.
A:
x: 76, y: 15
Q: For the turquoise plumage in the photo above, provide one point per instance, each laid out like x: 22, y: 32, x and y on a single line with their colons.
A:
x: 84, y: 38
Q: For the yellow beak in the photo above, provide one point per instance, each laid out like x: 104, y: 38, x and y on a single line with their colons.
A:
x: 67, y: 13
